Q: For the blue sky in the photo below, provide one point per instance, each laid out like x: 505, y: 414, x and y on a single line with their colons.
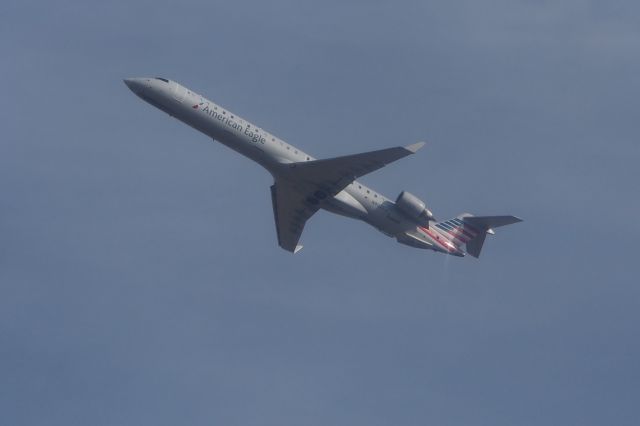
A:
x: 140, y: 278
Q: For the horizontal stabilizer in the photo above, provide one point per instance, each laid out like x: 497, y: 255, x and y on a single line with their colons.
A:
x: 490, y: 222
x: 484, y: 225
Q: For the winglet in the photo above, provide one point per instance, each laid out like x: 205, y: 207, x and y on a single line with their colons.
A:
x: 297, y: 249
x: 414, y: 147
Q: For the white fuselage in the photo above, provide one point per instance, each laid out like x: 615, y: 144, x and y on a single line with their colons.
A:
x: 356, y: 200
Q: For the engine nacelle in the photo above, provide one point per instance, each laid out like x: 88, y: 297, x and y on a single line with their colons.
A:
x: 414, y: 208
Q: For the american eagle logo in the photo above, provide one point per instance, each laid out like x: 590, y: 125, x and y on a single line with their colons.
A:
x: 196, y: 106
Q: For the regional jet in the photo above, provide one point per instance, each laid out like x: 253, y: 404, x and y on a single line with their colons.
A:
x: 303, y: 184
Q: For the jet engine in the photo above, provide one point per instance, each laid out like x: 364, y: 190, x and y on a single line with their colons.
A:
x: 414, y: 208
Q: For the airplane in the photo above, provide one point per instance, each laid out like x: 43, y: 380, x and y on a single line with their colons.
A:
x: 303, y: 184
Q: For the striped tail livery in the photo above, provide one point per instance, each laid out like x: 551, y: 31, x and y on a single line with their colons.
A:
x: 466, y: 233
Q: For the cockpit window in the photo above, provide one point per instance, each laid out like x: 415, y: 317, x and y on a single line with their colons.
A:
x: 162, y: 79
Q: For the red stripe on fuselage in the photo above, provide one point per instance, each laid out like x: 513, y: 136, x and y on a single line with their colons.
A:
x: 468, y: 232
x: 462, y: 238
x: 458, y: 232
x: 437, y: 240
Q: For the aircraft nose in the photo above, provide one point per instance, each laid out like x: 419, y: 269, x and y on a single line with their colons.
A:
x: 135, y: 84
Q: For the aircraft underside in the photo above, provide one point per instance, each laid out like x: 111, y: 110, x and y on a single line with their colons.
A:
x: 303, y: 185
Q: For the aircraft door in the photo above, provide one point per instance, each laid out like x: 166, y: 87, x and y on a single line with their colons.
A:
x: 178, y: 92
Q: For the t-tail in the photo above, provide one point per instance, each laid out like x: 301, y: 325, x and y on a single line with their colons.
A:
x: 468, y: 231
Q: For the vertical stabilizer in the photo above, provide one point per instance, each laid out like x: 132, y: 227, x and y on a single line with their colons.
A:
x: 470, y: 231
x: 485, y: 225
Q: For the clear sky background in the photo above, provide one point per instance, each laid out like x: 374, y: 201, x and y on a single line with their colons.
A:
x: 140, y: 278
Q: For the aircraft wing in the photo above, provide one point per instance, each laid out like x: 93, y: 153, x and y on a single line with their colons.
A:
x: 302, y: 188
x: 332, y: 175
x: 291, y: 211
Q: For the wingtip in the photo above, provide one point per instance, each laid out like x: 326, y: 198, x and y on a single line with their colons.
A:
x: 297, y: 249
x: 414, y: 147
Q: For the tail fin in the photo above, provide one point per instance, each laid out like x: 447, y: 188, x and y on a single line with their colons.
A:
x: 471, y: 230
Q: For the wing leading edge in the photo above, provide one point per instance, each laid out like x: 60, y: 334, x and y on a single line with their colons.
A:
x: 302, y: 187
